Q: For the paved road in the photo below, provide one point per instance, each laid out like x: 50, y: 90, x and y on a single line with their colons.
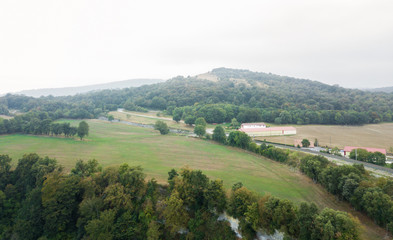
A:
x: 343, y: 160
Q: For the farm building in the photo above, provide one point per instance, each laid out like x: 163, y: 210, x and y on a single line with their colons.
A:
x: 260, y: 130
x: 348, y: 149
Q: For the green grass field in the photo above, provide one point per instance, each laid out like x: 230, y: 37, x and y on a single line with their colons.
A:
x: 114, y: 144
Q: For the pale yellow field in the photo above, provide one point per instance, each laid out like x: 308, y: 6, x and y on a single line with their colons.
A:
x: 5, y: 117
x: 371, y: 135
x: 149, y: 118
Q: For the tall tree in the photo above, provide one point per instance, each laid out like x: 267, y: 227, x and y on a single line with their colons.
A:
x: 83, y: 129
x: 200, y: 130
x: 219, y: 134
x: 162, y: 127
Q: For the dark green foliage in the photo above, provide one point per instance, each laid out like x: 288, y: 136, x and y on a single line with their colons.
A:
x: 171, y: 178
x: 219, y: 135
x: 279, y: 155
x: 83, y: 129
x: 130, y: 106
x: 200, y: 130
x: 5, y: 167
x: 305, y: 143
x: 162, y: 127
x: 189, y: 120
x: 235, y: 124
x: 330, y: 223
x: 239, y: 139
x: 365, y: 156
x: 312, y: 166
x: 177, y: 114
x: 41, y: 202
x: 353, y: 184
x: 86, y: 169
x: 236, y: 186
x: 307, y: 214
x: 200, y: 121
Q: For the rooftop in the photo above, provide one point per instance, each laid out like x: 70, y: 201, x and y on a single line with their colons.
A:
x: 381, y: 150
x: 267, y: 129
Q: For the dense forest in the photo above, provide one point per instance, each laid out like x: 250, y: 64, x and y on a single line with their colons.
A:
x: 38, y: 200
x: 241, y: 94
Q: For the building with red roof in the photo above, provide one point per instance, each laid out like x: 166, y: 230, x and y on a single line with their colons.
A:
x: 348, y: 149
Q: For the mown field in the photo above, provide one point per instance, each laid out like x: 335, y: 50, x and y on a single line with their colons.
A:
x: 370, y: 135
x: 114, y: 144
x: 149, y: 118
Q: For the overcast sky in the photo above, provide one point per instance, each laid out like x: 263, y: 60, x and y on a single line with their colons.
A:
x: 59, y: 43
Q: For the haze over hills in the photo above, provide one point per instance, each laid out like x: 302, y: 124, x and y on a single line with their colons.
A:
x: 383, y: 89
x: 69, y: 91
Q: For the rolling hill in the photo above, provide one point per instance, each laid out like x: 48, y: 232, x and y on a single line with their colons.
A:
x: 383, y: 89
x: 67, y: 91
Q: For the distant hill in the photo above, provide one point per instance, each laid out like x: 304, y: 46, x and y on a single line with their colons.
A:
x: 383, y: 89
x: 69, y: 91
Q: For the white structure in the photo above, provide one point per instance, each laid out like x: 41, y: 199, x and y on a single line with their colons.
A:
x: 253, y: 125
x: 260, y: 129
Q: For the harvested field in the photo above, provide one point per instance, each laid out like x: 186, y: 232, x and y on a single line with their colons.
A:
x: 371, y: 135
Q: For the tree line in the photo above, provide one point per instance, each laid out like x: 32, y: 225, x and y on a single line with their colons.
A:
x: 38, y: 200
x: 365, y: 192
x: 39, y: 123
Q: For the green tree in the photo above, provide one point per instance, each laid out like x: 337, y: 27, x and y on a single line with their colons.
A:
x: 103, y: 227
x: 177, y: 113
x: 111, y: 118
x: 176, y: 216
x: 219, y: 134
x: 234, y: 123
x: 200, y: 130
x: 239, y: 201
x: 5, y: 172
x: 153, y: 232
x: 331, y: 224
x: 239, y: 139
x: 200, y: 121
x: 305, y: 143
x: 162, y: 127
x: 60, y: 201
x: 189, y: 120
x: 360, y: 154
x: 307, y: 214
x: 83, y: 169
x: 83, y: 130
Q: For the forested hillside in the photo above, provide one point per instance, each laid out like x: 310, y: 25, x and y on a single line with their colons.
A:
x: 227, y: 94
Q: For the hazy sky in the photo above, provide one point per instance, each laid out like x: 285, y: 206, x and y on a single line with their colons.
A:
x: 58, y: 43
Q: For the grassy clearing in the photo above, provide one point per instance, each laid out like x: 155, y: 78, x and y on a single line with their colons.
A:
x: 114, y: 144
x: 6, y: 117
x: 149, y: 118
x: 371, y: 135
